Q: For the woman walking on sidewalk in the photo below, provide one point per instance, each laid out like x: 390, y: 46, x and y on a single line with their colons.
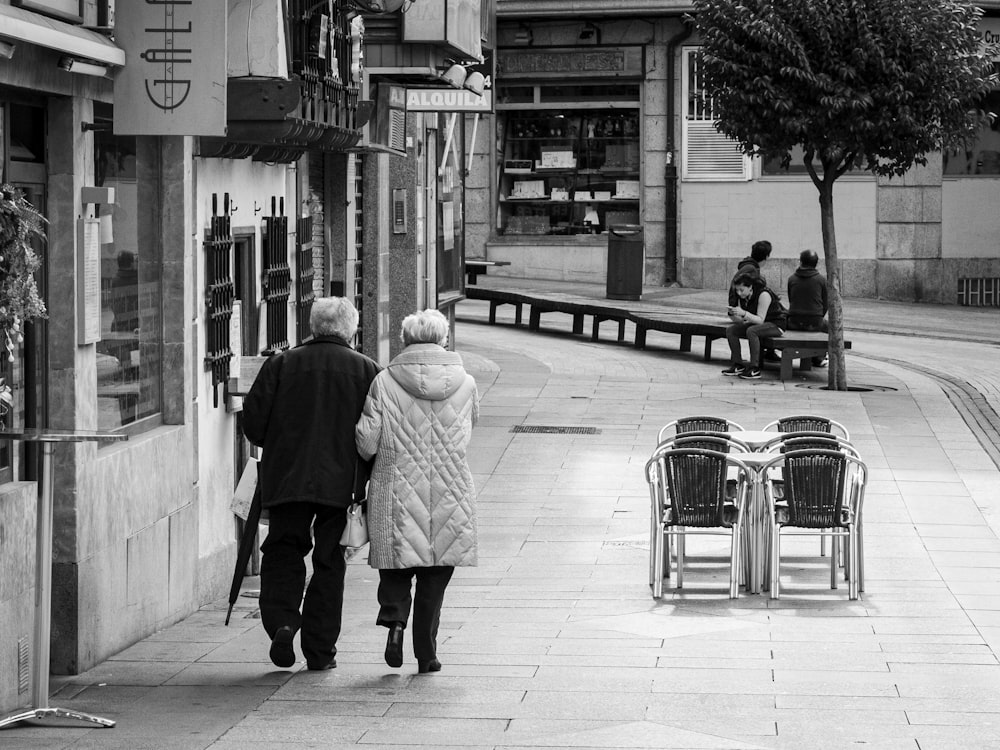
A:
x: 759, y: 314
x: 417, y: 422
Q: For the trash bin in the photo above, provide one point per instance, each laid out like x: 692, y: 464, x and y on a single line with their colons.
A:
x: 625, y: 261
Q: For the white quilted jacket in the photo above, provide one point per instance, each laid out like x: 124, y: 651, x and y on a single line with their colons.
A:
x: 417, y: 422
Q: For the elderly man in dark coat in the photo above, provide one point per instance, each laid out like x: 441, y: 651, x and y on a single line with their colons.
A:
x: 301, y: 410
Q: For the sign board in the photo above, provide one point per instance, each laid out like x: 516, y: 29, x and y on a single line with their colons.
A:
x: 456, y: 23
x: 249, y: 368
x: 174, y: 79
x: 88, y: 281
x: 448, y: 100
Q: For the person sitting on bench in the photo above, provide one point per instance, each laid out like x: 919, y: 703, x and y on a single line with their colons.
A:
x: 807, y: 299
x: 759, y: 314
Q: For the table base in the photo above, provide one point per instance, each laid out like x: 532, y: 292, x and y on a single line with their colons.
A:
x: 41, y: 714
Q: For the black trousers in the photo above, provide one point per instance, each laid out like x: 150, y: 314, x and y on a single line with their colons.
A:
x: 283, y: 576
x: 394, y: 603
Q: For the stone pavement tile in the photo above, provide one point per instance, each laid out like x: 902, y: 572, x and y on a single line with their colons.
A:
x: 169, y: 651
x: 525, y: 734
x: 952, y: 558
x: 235, y: 674
x: 958, y: 543
x: 984, y: 618
x: 930, y: 531
x: 126, y: 673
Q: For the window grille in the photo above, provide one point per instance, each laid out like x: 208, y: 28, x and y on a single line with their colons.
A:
x: 708, y: 154
x: 979, y: 292
x: 277, y: 279
x: 359, y: 244
x: 304, y: 283
x: 219, y: 293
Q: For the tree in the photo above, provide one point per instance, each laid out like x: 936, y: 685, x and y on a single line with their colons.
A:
x: 858, y: 84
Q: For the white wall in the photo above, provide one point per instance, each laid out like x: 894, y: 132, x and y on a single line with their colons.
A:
x: 723, y: 219
x: 970, y: 221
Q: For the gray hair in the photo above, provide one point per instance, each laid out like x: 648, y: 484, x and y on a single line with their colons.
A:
x: 425, y: 327
x: 333, y: 316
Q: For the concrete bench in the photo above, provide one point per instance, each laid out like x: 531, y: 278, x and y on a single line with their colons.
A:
x: 475, y: 267
x: 686, y: 325
x: 496, y: 298
x: 800, y: 345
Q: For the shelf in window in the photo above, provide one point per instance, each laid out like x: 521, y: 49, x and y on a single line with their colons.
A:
x: 533, y: 138
x: 505, y: 199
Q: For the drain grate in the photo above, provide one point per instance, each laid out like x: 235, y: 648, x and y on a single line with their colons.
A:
x: 551, y: 429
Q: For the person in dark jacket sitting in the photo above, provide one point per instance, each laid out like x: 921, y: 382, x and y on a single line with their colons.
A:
x: 760, y: 252
x: 808, y: 298
x: 758, y: 314
x: 301, y: 410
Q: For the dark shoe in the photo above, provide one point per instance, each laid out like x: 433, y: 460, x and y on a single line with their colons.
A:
x: 771, y: 355
x: 313, y: 667
x: 734, y: 370
x: 751, y: 373
x: 282, y: 653
x: 428, y: 666
x: 394, y: 645
x: 819, y: 361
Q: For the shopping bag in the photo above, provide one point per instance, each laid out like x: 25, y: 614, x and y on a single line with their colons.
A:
x: 243, y: 496
x: 355, y: 533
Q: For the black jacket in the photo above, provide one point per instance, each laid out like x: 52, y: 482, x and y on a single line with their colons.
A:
x: 807, y: 296
x: 301, y: 410
x: 747, y: 265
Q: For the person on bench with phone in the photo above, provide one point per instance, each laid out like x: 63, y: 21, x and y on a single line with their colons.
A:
x: 807, y: 299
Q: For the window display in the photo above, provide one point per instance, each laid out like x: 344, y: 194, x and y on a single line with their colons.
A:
x: 568, y: 172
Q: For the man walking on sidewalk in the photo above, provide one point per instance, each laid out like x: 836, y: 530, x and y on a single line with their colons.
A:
x: 302, y: 409
x: 807, y: 298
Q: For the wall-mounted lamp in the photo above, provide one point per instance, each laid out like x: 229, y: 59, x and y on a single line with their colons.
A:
x: 455, y: 75
x: 590, y: 31
x: 523, y: 35
x: 72, y: 65
x: 475, y: 82
x: 7, y: 49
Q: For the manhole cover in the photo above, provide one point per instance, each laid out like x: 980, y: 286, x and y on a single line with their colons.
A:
x: 555, y: 429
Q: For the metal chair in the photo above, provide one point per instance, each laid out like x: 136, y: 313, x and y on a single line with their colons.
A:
x: 823, y: 494
x: 697, y: 424
x: 808, y: 423
x: 688, y: 494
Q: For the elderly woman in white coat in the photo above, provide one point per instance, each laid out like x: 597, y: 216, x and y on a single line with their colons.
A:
x: 417, y: 422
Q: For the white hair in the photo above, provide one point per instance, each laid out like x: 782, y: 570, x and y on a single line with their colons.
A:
x: 425, y: 327
x: 333, y: 316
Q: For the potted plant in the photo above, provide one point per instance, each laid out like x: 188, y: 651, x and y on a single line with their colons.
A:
x: 20, y: 225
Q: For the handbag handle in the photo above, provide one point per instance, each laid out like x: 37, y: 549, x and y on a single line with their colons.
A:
x: 362, y: 473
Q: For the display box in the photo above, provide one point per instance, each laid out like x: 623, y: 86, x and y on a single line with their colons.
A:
x: 517, y: 166
x: 528, y: 189
x: 628, y: 189
x: 559, y: 194
x: 557, y: 160
x: 602, y: 195
x: 583, y: 195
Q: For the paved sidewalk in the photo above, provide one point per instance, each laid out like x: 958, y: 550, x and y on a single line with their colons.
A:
x: 554, y: 640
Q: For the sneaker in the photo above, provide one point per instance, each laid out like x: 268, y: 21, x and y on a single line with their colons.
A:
x: 734, y: 370
x: 771, y: 355
x: 819, y: 361
x: 751, y: 373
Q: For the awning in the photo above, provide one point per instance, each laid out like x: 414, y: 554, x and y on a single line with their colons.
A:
x: 16, y: 23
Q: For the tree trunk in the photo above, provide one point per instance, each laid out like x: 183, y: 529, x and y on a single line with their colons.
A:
x: 837, y: 372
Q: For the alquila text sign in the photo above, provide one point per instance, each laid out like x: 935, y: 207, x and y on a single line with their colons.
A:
x: 448, y: 100
x: 174, y: 79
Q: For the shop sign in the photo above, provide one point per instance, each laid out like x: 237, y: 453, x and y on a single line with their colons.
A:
x: 174, y: 79
x: 989, y: 34
x: 571, y: 62
x: 448, y: 100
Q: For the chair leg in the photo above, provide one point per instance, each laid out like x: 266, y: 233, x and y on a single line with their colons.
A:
x: 852, y: 562
x: 860, y: 576
x: 833, y: 562
x: 657, y: 551
x: 822, y: 545
x: 653, y: 529
x: 775, y: 560
x: 680, y: 557
x: 734, y: 564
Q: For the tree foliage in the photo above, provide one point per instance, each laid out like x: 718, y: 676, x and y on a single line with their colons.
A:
x: 871, y: 84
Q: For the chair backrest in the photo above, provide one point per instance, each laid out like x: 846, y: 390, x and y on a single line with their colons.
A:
x: 822, y: 441
x: 696, y: 486
x: 814, y: 487
x: 712, y: 441
x: 697, y: 424
x: 808, y: 423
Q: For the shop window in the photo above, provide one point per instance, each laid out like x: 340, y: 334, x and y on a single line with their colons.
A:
x: 708, y: 154
x: 129, y: 353
x: 569, y: 171
x: 982, y: 157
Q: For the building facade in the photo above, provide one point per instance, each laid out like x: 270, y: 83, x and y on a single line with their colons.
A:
x: 601, y: 120
x: 191, y: 221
